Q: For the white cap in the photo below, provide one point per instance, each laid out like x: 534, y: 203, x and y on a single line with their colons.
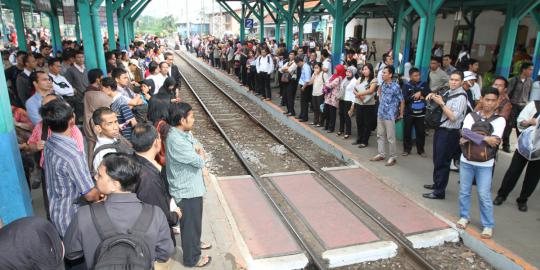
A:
x: 469, y: 75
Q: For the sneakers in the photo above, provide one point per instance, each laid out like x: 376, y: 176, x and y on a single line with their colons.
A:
x: 454, y: 167
x: 391, y: 162
x: 462, y: 223
x: 377, y: 158
x: 487, y: 233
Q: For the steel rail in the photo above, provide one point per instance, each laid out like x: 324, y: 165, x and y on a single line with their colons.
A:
x: 258, y: 179
x: 358, y: 202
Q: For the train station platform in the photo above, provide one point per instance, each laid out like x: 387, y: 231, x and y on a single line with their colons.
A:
x: 515, y: 234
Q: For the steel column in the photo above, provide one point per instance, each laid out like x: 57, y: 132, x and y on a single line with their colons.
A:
x: 109, y: 9
x: 338, y: 33
x: 98, y: 39
x: 135, y: 17
x: 89, y: 44
x: 508, y: 41
x: 261, y: 21
x: 15, y: 6
x: 15, y: 201
x: 398, y: 26
x: 277, y: 35
x: 408, y: 38
x: 536, y: 54
x: 242, y: 36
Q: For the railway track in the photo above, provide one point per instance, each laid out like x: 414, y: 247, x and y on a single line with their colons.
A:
x: 247, y: 136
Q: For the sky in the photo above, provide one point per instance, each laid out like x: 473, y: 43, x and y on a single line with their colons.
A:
x: 161, y: 8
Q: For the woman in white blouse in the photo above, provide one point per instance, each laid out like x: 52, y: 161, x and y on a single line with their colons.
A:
x: 364, y: 105
x: 346, y: 98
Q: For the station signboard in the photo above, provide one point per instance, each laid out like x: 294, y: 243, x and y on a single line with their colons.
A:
x: 43, y: 5
x: 248, y: 23
x: 68, y: 8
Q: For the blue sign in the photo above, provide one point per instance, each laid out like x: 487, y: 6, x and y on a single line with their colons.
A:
x: 248, y: 23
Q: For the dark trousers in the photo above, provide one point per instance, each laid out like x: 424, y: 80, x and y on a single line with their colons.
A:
x: 190, y: 229
x: 291, y: 96
x: 532, y: 175
x: 445, y: 145
x: 251, y: 80
x: 305, y: 98
x: 243, y: 74
x: 366, y: 119
x: 372, y: 54
x: 316, y: 101
x: 264, y: 85
x: 420, y: 127
x: 330, y: 117
x: 506, y: 134
x: 345, y: 124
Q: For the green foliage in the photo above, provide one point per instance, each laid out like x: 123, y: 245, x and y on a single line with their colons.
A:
x: 162, y: 27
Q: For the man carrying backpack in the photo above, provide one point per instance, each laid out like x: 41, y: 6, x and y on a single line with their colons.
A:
x: 527, y: 118
x: 480, y: 139
x: 414, y: 93
x: 452, y: 106
x: 122, y: 232
x: 109, y: 139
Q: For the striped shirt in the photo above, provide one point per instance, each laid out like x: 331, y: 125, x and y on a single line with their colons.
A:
x: 67, y: 176
x: 184, y: 166
x: 458, y: 106
x: 123, y: 112
x: 36, y: 137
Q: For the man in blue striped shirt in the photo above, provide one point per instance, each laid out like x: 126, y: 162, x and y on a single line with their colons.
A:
x: 66, y: 169
x: 185, y: 169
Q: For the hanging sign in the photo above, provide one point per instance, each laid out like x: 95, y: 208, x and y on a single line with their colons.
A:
x: 43, y: 5
x: 248, y: 23
x: 68, y: 8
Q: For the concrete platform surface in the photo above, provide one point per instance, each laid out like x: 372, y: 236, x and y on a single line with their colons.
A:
x: 403, y: 213
x: 334, y: 224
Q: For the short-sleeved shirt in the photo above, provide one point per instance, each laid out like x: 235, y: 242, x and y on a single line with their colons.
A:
x: 67, y: 176
x: 458, y: 106
x: 498, y: 129
x: 124, y: 114
x: 390, y: 99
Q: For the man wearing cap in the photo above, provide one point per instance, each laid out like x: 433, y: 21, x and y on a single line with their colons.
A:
x: 134, y: 72
x: 437, y: 77
x: 471, y: 87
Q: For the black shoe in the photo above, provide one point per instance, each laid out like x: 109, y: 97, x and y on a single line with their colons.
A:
x: 429, y: 187
x: 432, y: 196
x: 355, y: 143
x: 522, y: 206
x: 285, y: 112
x: 302, y: 120
x: 498, y: 200
x: 506, y: 149
x: 298, y: 117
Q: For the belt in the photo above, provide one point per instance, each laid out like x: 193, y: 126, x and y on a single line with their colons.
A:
x: 448, y: 129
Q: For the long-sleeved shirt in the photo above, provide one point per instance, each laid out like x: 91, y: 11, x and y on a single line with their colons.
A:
x: 458, y: 106
x: 305, y: 76
x: 265, y: 64
x: 291, y: 69
x: 82, y: 238
x: 24, y: 86
x: 78, y: 77
x: 527, y: 113
x: 437, y: 79
x: 67, y: 176
x: 184, y: 165
x: 519, y: 90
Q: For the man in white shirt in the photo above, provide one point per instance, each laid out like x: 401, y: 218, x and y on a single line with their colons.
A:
x: 157, y: 75
x: 62, y: 87
x: 326, y: 63
x: 265, y: 66
x: 388, y: 60
x: 108, y: 135
x: 481, y: 171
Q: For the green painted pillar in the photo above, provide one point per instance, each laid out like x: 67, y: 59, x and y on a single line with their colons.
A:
x: 536, y: 54
x: 277, y: 35
x: 121, y: 29
x: 300, y: 33
x: 87, y: 34
x: 136, y: 16
x: 15, y: 201
x: 289, y: 27
x: 242, y: 36
x: 338, y: 33
x: 78, y: 29
x: 109, y: 8
x: 15, y: 6
x: 408, y: 38
x: 508, y: 40
x: 261, y: 21
x: 427, y: 9
x: 56, y: 39
x: 428, y: 43
x: 98, y: 38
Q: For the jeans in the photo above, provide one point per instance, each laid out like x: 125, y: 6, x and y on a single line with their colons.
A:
x: 483, y: 175
x: 386, y: 131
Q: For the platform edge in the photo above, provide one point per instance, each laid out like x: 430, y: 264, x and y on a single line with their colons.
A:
x: 360, y: 253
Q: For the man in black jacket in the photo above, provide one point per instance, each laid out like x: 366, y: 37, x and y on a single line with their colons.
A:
x: 23, y: 84
x: 153, y: 187
x: 173, y: 71
x: 11, y: 78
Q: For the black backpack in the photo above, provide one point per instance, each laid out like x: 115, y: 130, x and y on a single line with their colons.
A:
x: 118, y: 250
x: 434, y: 112
x: 121, y: 145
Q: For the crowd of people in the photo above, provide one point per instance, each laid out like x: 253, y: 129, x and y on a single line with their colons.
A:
x: 118, y: 163
x: 115, y: 156
x: 452, y: 101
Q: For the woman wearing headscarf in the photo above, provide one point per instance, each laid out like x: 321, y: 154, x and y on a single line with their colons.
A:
x: 331, y: 102
x: 346, y: 98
